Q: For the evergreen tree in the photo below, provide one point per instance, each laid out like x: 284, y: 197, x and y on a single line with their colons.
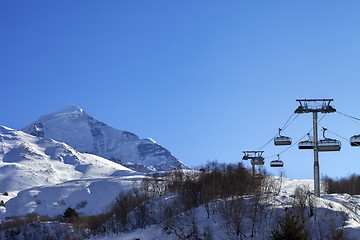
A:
x: 290, y: 228
x: 70, y: 214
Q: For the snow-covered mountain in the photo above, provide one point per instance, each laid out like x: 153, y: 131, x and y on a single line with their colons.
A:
x: 27, y: 161
x: 87, y: 134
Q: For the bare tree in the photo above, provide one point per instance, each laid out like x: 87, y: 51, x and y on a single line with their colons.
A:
x: 233, y: 213
x: 278, y: 183
x: 299, y: 201
x: 183, y: 225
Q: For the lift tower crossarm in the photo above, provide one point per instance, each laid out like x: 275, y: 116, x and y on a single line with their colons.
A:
x: 307, y: 106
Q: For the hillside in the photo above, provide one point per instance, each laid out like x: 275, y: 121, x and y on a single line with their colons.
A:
x: 336, y: 216
x: 40, y: 176
x: 87, y: 196
x: 179, y: 206
x: 27, y: 161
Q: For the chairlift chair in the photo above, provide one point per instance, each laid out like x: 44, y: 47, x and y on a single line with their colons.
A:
x: 355, y: 141
x: 328, y: 144
x: 257, y: 161
x: 307, y: 144
x: 282, y: 140
x: 255, y: 157
x: 277, y: 163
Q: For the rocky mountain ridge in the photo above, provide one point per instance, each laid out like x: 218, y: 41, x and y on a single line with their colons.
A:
x: 27, y: 161
x: 75, y: 127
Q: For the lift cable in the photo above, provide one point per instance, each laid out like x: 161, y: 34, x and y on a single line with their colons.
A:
x: 263, y: 146
x: 289, y: 146
x: 295, y: 142
x: 329, y: 129
x: 350, y: 117
x: 287, y: 124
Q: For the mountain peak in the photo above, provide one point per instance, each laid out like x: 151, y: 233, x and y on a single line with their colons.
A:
x: 72, y: 108
x: 87, y: 134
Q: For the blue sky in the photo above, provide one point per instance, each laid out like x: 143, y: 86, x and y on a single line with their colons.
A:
x: 206, y: 79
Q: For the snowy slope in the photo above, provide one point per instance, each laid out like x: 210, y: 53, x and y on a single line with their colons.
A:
x: 334, y: 211
x: 91, y: 196
x: 27, y: 161
x: 87, y: 134
x: 87, y: 196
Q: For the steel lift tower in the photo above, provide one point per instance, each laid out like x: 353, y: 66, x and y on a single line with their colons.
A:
x: 255, y: 157
x: 315, y: 106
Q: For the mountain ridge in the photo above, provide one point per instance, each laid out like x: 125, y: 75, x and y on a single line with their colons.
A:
x: 27, y: 161
x: 85, y: 133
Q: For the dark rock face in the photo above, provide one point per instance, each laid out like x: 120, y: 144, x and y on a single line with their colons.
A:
x: 153, y: 150
x: 37, y: 130
x: 98, y: 135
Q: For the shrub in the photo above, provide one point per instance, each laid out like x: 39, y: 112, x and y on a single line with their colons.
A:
x: 81, y: 204
x: 61, y: 202
x: 95, y: 223
x: 70, y: 214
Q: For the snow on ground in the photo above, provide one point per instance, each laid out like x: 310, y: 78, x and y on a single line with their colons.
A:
x: 289, y: 185
x: 46, y: 176
x: 332, y: 210
x: 27, y: 161
x: 150, y: 233
x: 87, y: 196
x: 92, y: 196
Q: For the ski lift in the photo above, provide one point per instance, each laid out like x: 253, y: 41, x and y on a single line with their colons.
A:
x: 307, y: 144
x: 255, y: 156
x: 328, y: 144
x: 277, y: 163
x: 257, y: 161
x: 355, y: 141
x: 282, y: 140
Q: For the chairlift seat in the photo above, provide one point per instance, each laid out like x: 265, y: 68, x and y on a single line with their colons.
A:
x: 282, y: 140
x: 257, y: 161
x: 329, y: 144
x: 276, y: 163
x: 306, y: 144
x: 355, y: 141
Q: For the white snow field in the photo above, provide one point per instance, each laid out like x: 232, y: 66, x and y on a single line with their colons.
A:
x: 28, y: 161
x: 87, y: 196
x: 36, y: 174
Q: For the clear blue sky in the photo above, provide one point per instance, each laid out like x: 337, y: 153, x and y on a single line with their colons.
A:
x: 206, y: 79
